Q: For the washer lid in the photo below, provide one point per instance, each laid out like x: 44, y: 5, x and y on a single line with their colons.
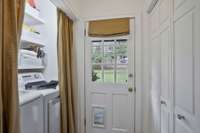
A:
x: 26, y: 97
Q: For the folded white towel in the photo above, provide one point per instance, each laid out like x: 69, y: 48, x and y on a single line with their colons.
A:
x: 28, y: 52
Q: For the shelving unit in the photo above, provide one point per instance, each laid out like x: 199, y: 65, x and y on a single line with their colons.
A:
x: 31, y: 38
x: 31, y: 67
x: 32, y: 16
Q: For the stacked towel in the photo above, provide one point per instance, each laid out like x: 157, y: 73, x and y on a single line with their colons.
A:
x: 28, y: 53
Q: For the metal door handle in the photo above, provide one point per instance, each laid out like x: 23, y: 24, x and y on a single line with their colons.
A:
x: 163, y: 102
x: 180, y: 117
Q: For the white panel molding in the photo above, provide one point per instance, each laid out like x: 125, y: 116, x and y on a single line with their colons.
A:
x: 138, y: 72
x: 111, y: 16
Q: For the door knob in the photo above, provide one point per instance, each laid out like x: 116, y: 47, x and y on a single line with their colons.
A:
x: 163, y: 102
x: 130, y: 89
x: 180, y: 117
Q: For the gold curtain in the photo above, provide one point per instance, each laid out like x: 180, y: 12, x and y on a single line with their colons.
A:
x: 11, y: 16
x: 109, y: 27
x: 66, y: 59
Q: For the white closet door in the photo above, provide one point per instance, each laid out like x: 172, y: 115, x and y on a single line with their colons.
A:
x: 165, y: 81
x: 186, y: 66
x: 160, y: 31
x: 164, y: 13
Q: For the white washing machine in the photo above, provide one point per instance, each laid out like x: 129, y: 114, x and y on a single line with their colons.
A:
x: 29, y: 83
x: 31, y: 112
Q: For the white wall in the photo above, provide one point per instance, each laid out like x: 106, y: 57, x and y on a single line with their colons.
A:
x: 148, y: 117
x: 146, y: 74
x: 80, y: 58
x: 49, y: 33
x: 75, y: 5
x: 149, y: 4
x: 91, y: 9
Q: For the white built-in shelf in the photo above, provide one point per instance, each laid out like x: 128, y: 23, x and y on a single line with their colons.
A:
x: 32, y: 16
x: 28, y: 38
x: 31, y: 67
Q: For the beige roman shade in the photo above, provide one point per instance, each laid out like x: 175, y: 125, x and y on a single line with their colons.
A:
x: 109, y: 27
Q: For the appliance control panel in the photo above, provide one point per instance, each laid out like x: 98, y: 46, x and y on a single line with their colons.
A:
x: 25, y: 78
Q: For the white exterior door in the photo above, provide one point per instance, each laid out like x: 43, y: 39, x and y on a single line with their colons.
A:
x: 186, y: 66
x: 110, y: 84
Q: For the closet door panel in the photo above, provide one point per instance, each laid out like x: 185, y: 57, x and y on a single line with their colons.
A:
x: 155, y: 86
x: 164, y: 12
x: 156, y: 65
x: 165, y: 109
x: 181, y: 128
x: 164, y: 119
x: 184, y: 72
x: 165, y: 64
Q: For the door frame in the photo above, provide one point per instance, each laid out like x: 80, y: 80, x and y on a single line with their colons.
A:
x: 80, y: 45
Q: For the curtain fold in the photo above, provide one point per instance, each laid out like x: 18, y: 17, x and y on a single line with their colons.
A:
x: 1, y: 104
x: 66, y: 60
x: 109, y: 27
x: 11, y: 19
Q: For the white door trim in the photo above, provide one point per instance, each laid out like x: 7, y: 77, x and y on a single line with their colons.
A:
x: 138, y: 73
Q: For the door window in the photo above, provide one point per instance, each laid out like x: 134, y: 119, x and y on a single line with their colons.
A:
x: 109, y: 61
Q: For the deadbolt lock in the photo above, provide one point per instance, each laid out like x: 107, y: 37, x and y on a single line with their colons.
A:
x: 130, y: 75
x: 130, y: 89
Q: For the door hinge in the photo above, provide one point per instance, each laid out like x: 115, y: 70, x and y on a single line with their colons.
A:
x: 85, y: 122
x: 84, y: 32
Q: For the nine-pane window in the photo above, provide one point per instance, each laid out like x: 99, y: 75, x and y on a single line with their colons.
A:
x: 109, y: 61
